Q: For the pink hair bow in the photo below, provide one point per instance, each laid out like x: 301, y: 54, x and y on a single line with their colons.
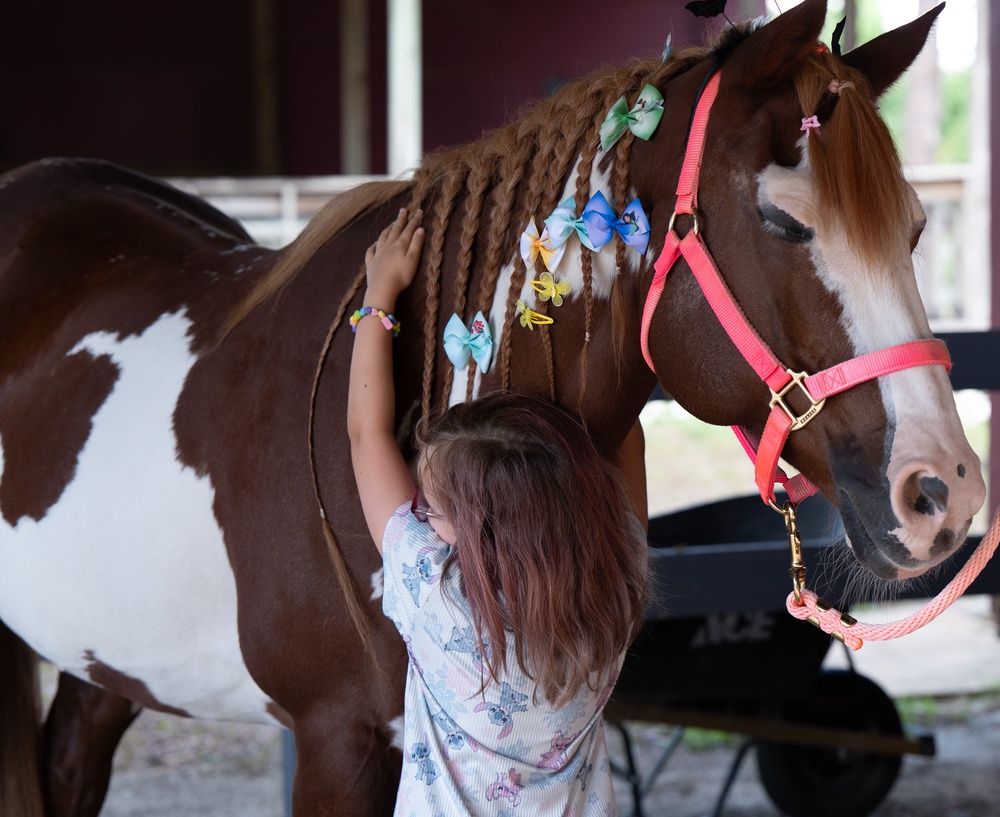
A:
x: 810, y: 123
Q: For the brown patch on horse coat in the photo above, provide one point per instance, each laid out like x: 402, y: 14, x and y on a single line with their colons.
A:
x: 44, y: 423
x: 125, y: 685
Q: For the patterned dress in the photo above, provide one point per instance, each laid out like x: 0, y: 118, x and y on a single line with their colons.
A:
x: 468, y: 751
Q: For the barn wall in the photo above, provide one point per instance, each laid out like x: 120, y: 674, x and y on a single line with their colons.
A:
x: 187, y: 88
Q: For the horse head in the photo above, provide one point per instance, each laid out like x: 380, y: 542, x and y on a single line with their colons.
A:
x: 805, y: 210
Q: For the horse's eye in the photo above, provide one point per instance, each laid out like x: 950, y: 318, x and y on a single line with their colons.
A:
x: 780, y: 224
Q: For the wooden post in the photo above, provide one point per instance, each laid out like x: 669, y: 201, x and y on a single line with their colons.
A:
x: 405, y: 85
x: 267, y: 152
x: 355, y: 115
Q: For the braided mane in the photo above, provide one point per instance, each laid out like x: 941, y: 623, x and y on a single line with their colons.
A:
x: 511, y: 174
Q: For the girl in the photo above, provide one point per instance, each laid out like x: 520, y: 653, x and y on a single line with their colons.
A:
x: 514, y: 573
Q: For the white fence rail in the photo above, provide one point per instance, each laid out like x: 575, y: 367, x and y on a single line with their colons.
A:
x: 952, y: 260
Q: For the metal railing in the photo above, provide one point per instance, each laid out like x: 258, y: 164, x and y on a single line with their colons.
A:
x: 952, y: 259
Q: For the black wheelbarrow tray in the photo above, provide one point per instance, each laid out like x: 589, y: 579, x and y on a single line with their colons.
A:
x: 719, y: 651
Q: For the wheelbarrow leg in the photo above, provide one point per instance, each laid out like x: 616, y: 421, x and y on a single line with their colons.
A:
x: 734, y: 768
x: 631, y: 770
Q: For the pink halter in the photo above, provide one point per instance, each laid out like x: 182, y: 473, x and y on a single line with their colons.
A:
x: 766, y: 451
x: 779, y: 378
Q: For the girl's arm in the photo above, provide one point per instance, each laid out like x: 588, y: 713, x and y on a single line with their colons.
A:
x: 380, y: 471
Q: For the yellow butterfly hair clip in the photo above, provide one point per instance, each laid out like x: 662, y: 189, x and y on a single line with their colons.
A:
x: 530, y: 318
x: 547, y: 288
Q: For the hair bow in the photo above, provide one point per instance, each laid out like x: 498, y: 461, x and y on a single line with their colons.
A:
x: 563, y: 223
x: 547, y: 288
x: 809, y: 124
x: 602, y: 223
x: 460, y: 343
x: 530, y: 318
x: 641, y: 119
x: 533, y: 245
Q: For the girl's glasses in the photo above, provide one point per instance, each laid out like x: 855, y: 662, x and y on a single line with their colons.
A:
x: 421, y: 510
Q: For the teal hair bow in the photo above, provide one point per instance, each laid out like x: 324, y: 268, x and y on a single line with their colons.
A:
x: 564, y: 222
x: 641, y: 119
x: 602, y: 223
x: 460, y: 343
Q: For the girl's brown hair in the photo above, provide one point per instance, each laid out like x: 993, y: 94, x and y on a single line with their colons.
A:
x: 547, y: 547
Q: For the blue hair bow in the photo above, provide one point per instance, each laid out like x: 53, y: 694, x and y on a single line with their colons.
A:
x: 601, y: 223
x: 460, y: 343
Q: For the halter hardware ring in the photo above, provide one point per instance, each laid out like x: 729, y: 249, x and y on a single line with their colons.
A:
x: 777, y: 399
x: 694, y: 215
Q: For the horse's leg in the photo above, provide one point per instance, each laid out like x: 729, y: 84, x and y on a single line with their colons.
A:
x: 20, y: 728
x: 345, y: 768
x: 82, y: 732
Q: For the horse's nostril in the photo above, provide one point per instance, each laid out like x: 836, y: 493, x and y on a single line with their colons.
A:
x: 934, y: 496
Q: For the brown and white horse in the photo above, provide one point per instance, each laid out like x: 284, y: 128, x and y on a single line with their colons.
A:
x: 167, y: 395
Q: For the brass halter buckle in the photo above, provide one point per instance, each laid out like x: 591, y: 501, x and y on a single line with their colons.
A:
x: 778, y: 399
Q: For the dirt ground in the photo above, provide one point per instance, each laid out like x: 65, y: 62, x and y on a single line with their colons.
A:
x: 168, y: 767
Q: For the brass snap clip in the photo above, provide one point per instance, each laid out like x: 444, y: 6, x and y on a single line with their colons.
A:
x: 797, y: 570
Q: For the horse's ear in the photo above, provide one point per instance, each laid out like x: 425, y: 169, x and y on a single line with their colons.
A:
x: 884, y: 59
x: 773, y: 52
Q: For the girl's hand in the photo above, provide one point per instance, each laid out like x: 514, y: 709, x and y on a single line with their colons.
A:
x: 391, y: 262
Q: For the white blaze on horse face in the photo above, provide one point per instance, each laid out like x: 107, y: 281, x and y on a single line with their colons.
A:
x: 934, y: 478
x: 129, y: 568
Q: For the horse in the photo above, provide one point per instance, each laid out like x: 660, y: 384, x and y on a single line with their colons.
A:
x: 180, y: 529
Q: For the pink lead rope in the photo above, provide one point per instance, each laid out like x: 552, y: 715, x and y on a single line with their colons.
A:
x: 766, y: 451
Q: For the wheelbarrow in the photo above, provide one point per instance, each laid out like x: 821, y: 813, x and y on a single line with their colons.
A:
x: 718, y: 651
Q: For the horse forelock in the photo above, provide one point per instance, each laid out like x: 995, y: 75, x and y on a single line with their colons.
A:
x: 856, y: 168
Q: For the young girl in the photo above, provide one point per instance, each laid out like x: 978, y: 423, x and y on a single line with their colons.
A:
x: 515, y: 573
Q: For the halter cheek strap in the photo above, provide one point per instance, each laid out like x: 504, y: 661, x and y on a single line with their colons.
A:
x: 783, y: 420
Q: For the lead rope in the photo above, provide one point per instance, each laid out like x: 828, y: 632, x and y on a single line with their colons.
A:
x: 807, y: 606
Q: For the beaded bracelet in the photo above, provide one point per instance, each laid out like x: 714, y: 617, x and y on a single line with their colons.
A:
x: 388, y: 321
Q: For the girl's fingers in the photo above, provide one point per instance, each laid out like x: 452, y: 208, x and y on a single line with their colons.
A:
x: 416, y: 244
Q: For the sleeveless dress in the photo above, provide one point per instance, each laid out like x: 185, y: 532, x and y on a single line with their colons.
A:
x: 470, y: 752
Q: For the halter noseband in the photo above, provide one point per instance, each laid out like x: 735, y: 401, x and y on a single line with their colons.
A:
x: 781, y: 380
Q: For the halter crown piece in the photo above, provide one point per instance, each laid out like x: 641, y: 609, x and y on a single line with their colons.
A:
x: 783, y: 419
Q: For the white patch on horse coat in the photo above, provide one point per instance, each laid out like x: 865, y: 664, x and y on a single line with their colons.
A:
x: 129, y: 566
x: 395, y: 728
x: 378, y: 584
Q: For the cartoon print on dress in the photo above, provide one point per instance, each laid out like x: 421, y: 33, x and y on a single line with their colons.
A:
x: 556, y: 758
x: 584, y: 774
x: 501, y: 714
x: 455, y: 738
x: 506, y: 787
x: 426, y: 768
x: 464, y: 640
x: 422, y: 571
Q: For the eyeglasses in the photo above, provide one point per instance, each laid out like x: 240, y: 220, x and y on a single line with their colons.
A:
x: 421, y: 510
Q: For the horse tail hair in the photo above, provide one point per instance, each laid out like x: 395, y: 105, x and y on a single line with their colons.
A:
x: 336, y: 214
x: 20, y: 729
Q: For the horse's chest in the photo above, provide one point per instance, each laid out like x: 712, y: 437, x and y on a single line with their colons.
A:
x: 115, y: 569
